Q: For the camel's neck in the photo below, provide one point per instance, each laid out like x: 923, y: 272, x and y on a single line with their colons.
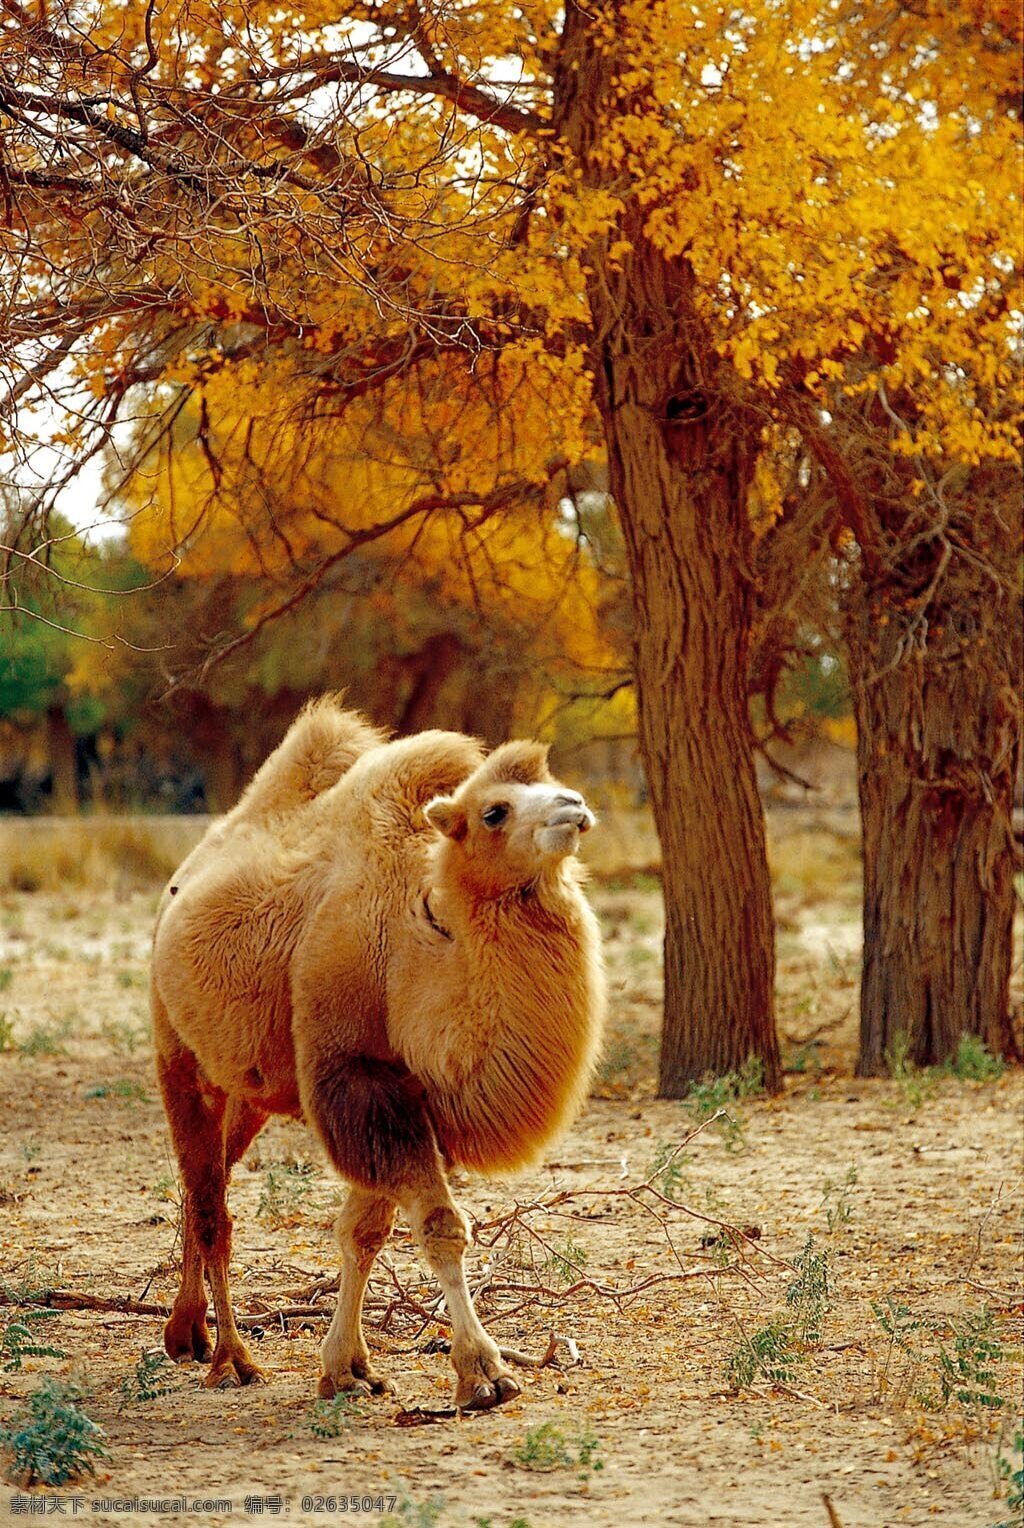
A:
x: 506, y: 1037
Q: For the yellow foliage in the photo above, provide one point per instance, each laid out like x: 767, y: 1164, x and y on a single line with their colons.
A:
x: 841, y: 190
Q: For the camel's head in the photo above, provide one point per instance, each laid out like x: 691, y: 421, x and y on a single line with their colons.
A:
x: 511, y: 820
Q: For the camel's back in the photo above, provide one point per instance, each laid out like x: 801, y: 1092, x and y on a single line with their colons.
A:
x: 230, y: 916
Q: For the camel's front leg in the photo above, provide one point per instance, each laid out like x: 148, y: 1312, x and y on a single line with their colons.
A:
x: 364, y: 1225
x: 373, y: 1120
x: 441, y: 1229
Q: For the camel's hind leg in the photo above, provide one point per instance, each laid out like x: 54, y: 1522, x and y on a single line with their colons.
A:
x: 196, y: 1115
x: 373, y: 1120
x: 364, y: 1225
x: 186, y: 1334
x: 242, y: 1125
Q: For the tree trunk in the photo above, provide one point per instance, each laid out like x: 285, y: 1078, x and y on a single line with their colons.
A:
x: 680, y: 505
x: 60, y: 743
x: 935, y: 693
x: 681, y: 452
x: 428, y: 672
x: 207, y: 728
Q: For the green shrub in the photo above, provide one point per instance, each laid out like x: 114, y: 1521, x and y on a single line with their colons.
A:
x: 50, y: 1440
x: 19, y: 1340
x: 769, y: 1355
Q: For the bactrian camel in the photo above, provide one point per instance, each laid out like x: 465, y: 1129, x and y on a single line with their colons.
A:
x: 389, y: 940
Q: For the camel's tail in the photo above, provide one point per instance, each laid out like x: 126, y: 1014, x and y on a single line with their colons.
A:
x: 319, y: 747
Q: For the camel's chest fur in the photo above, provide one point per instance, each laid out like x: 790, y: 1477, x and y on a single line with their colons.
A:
x: 505, y: 1037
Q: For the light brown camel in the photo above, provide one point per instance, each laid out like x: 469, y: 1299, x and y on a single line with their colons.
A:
x: 389, y: 940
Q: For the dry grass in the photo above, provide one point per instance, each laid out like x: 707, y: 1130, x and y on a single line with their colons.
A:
x: 115, y: 853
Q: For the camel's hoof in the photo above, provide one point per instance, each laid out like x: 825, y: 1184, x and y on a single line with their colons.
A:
x: 368, y: 1383
x: 229, y: 1373
x: 186, y: 1340
x: 379, y: 1383
x: 487, y: 1394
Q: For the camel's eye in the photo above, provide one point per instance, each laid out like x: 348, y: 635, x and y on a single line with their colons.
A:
x: 495, y: 815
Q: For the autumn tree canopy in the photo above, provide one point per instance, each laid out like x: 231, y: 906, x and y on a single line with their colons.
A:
x: 327, y: 274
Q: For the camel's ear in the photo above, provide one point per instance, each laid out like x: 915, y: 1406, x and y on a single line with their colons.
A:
x: 518, y: 763
x: 448, y: 818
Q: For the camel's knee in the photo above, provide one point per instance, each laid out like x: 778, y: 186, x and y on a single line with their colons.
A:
x: 211, y: 1226
x: 362, y: 1231
x: 442, y: 1232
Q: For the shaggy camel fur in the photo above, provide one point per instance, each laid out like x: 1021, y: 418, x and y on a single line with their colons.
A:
x: 389, y: 940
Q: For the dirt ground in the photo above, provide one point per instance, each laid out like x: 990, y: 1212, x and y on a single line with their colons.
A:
x: 911, y: 1190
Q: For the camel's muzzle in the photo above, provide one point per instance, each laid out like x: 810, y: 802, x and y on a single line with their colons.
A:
x: 576, y: 813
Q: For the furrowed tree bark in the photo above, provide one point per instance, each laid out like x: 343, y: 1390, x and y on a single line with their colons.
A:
x: 681, y: 453
x: 938, y: 718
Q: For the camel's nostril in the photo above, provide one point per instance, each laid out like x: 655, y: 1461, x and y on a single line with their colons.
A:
x: 576, y: 816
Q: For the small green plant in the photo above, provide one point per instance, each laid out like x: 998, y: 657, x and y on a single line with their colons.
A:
x: 166, y: 1189
x: 6, y: 977
x: 122, y: 1037
x: 124, y: 1089
x: 720, y: 1247
x: 913, y: 1084
x: 567, y: 1261
x: 154, y: 1375
x: 803, y: 1058
x: 588, y: 1458
x: 974, y: 1061
x: 130, y: 979
x: 50, y: 1439
x: 1010, y: 1475
x: 329, y: 1419
x: 835, y: 1200
x: 809, y: 1296
x: 46, y: 1040
x: 962, y: 1371
x: 30, y: 1288
x: 543, y: 1448
x: 6, y: 1033
x: 286, y: 1185
x: 547, y: 1447
x: 414, y: 1514
x: 713, y: 1095
x: 620, y: 1058
x: 20, y: 1339
x: 667, y: 1171
x: 903, y: 1329
x: 967, y: 1371
x: 768, y: 1354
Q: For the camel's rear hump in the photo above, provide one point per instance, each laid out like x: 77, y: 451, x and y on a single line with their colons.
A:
x: 321, y: 745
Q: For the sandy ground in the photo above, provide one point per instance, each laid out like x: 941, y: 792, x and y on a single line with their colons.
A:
x: 911, y: 1191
